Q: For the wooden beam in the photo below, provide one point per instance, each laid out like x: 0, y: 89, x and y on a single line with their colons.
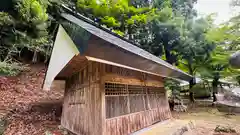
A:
x: 114, y: 78
x: 119, y: 65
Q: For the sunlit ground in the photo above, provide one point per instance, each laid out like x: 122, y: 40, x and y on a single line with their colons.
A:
x: 207, y: 118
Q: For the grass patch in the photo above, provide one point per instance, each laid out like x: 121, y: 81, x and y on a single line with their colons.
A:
x: 3, y: 125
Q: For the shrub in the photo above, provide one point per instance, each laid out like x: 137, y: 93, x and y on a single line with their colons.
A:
x: 11, y: 69
x: 200, y: 92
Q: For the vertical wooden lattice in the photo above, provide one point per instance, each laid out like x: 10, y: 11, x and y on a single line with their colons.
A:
x: 122, y: 99
x: 133, y: 100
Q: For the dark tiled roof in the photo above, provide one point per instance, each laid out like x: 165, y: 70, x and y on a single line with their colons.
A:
x: 118, y: 41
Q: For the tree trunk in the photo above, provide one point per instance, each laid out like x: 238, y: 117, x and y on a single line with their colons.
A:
x: 215, y: 83
x: 171, y: 104
x: 46, y: 60
x: 168, y: 56
x: 34, y: 60
x: 215, y: 89
x: 214, y: 94
x: 49, y: 50
x: 192, y: 82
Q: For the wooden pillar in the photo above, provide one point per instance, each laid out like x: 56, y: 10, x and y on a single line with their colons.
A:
x: 144, y: 90
x: 103, y: 106
x: 147, y: 97
x: 128, y: 100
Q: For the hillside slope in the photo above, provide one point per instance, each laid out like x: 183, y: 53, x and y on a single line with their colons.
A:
x: 28, y: 109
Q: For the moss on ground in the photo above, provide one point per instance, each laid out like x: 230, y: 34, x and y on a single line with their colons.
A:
x: 224, y: 129
x: 3, y: 125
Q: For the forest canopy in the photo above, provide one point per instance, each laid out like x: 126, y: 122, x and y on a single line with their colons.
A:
x: 169, y: 29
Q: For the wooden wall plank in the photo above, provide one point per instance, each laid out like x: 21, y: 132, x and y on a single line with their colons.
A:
x: 86, y: 107
x: 130, y: 123
x: 82, y: 110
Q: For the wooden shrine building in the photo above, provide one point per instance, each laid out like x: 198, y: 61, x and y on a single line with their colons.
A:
x: 112, y: 86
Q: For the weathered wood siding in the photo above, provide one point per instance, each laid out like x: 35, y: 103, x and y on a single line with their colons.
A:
x: 108, y: 100
x: 133, y: 101
x: 82, y: 108
x: 121, y: 121
x: 130, y: 123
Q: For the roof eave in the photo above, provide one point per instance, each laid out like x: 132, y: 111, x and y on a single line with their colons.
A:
x: 124, y: 44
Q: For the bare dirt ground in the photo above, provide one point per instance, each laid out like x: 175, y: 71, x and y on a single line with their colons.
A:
x: 26, y: 108
x: 33, y: 112
x: 206, y: 119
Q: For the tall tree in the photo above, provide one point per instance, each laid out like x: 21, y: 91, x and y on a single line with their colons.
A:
x: 23, y: 24
x: 166, y: 27
x: 194, y: 49
x: 216, y: 67
x: 225, y: 37
x: 119, y: 15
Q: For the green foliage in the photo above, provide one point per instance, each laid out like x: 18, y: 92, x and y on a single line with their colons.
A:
x: 137, y: 19
x: 7, y: 36
x: 156, y: 25
x: 39, y: 45
x: 118, y: 15
x: 238, y: 79
x: 200, y: 91
x: 5, y: 19
x: 165, y: 14
x: 174, y: 87
x: 217, y: 66
x: 226, y: 39
x: 32, y: 11
x: 118, y: 32
x: 110, y: 21
x: 26, y: 28
x: 166, y: 28
x: 33, y: 16
x: 11, y: 69
x: 194, y: 49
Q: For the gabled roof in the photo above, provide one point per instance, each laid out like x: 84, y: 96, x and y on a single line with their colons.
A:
x: 111, y: 37
x: 100, y: 44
